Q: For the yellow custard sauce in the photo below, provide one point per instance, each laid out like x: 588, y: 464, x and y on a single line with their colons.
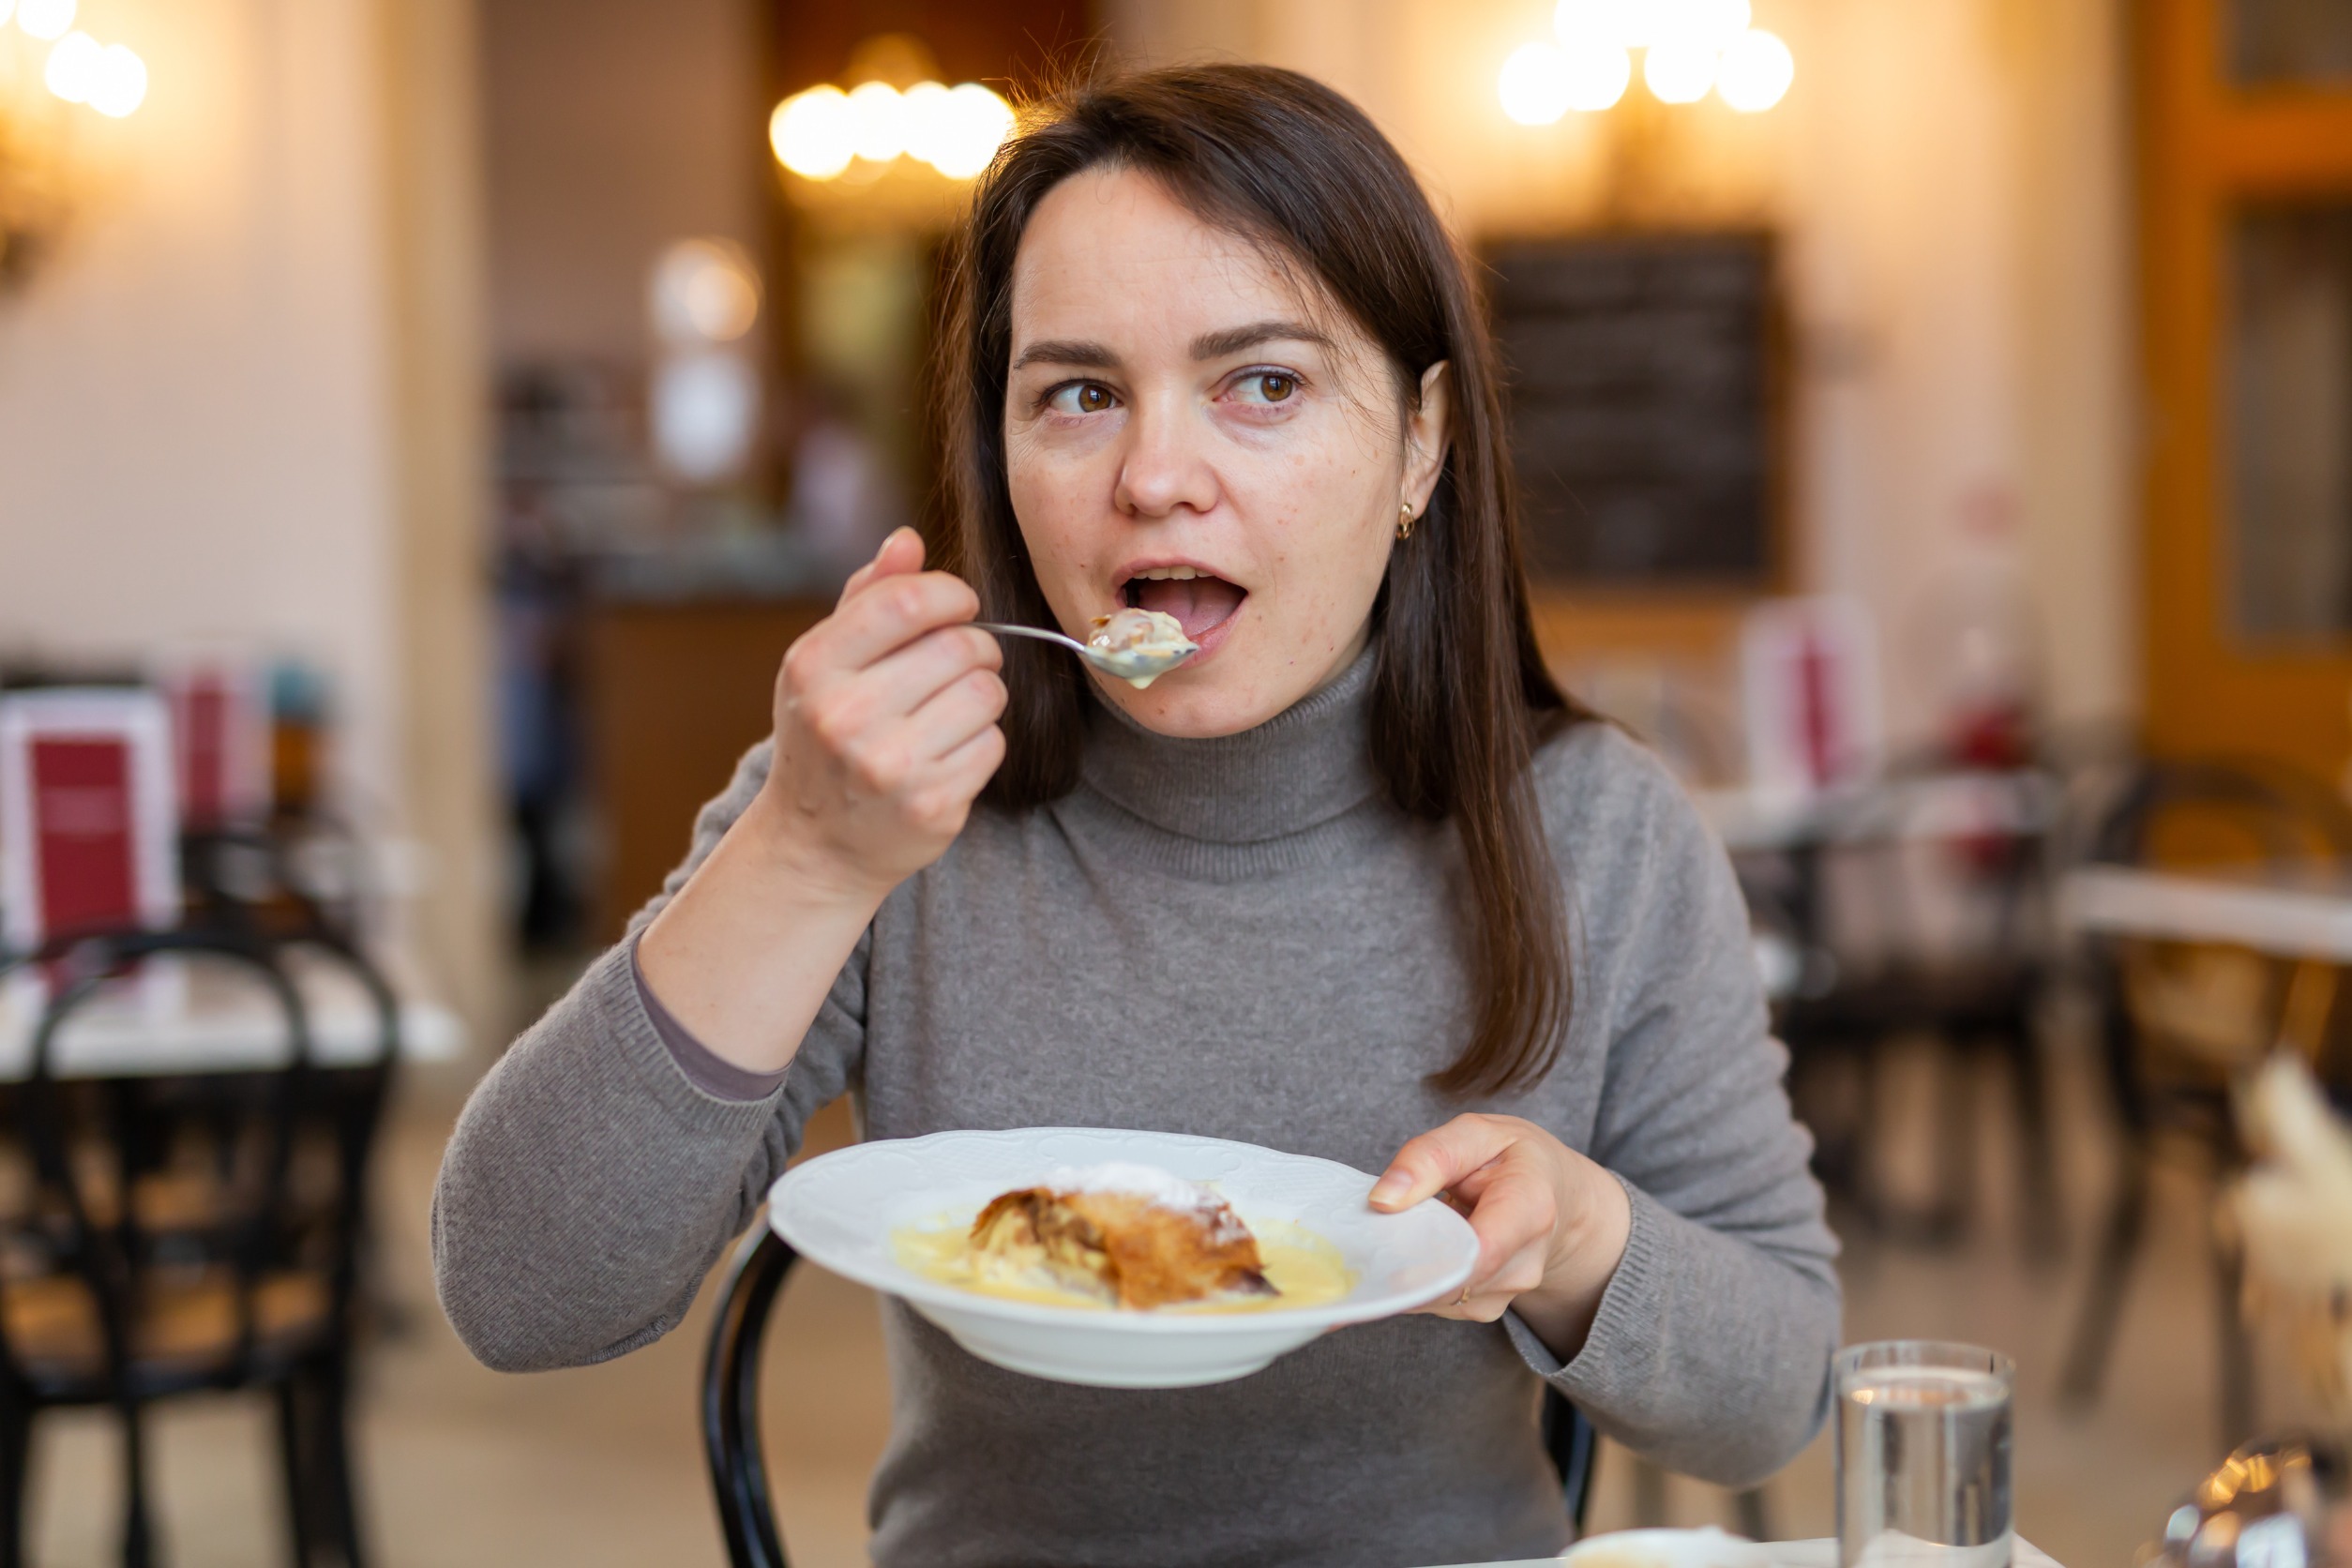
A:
x: 1305, y: 1269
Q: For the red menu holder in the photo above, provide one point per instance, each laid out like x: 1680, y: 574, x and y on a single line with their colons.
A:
x: 88, y: 826
x: 220, y: 738
x: 1809, y: 691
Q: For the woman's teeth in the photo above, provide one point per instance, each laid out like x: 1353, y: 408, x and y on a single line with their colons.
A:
x: 1170, y: 574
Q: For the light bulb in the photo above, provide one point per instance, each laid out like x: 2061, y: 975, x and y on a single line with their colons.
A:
x: 1756, y: 71
x: 1708, y: 24
x: 45, y: 18
x: 121, y: 82
x: 1629, y: 23
x: 1678, y: 72
x: 878, y: 128
x: 704, y: 290
x: 976, y: 124
x: 1598, y: 74
x: 1534, y: 83
x: 813, y: 133
x: 931, y: 119
x: 73, y: 66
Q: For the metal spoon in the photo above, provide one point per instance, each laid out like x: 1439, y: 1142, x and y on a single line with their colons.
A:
x: 1138, y: 667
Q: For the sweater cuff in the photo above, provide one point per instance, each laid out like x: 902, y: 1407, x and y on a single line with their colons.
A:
x: 712, y: 1074
x: 1626, y: 1321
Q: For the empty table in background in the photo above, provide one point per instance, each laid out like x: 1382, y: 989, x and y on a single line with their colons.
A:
x: 223, y: 1023
x: 2278, y: 914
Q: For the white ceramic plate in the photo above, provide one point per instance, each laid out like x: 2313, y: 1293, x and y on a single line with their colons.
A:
x: 840, y: 1210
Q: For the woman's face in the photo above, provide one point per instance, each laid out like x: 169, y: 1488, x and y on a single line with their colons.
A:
x: 1191, y: 431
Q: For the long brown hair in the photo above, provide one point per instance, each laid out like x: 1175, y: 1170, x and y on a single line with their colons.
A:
x: 1460, y: 697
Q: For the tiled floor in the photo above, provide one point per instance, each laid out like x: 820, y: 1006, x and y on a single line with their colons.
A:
x: 466, y: 1469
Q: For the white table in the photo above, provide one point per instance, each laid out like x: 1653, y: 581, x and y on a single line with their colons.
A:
x: 2281, y: 916
x: 1806, y: 1554
x: 1752, y: 819
x: 224, y: 1023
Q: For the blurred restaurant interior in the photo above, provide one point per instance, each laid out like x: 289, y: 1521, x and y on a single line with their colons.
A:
x: 424, y: 424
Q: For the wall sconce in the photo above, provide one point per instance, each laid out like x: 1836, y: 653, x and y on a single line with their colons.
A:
x: 1689, y: 47
x: 38, y: 42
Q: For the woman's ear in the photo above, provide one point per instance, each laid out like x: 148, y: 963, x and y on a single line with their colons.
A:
x: 1427, y: 425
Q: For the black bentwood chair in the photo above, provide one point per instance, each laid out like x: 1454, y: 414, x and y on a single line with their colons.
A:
x: 731, y: 1410
x: 187, y: 1234
x: 2182, y: 1022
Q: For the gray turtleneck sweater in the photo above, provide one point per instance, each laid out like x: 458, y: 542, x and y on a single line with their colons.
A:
x: 1241, y: 937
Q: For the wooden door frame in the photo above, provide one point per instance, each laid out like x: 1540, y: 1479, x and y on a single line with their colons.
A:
x: 2205, y: 144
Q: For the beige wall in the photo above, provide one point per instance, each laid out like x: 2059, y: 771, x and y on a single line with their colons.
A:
x: 209, y: 401
x: 1948, y: 177
x: 614, y: 126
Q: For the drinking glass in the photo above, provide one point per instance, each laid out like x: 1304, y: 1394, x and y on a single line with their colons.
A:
x: 1923, y: 1455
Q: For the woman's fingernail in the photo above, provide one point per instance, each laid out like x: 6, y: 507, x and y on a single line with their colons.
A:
x: 1390, y: 1187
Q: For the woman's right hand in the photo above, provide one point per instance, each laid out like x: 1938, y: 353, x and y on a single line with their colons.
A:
x: 885, y: 731
x: 885, y: 726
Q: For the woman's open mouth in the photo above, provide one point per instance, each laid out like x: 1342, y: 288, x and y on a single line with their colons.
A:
x: 1201, y: 602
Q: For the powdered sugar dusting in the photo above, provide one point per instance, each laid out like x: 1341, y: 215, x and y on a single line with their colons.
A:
x: 1164, y: 1188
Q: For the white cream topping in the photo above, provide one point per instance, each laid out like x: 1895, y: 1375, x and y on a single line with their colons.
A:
x: 1164, y: 1188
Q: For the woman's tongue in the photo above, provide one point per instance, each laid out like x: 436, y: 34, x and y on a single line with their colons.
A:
x: 1199, y: 603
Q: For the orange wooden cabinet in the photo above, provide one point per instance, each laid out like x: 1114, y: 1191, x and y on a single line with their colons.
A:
x: 2210, y: 150
x: 675, y: 693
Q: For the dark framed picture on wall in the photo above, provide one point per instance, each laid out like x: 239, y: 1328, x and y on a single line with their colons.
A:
x: 1645, y: 407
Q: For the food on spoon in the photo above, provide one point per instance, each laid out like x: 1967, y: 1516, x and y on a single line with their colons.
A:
x: 1140, y: 645
x: 1132, y: 1235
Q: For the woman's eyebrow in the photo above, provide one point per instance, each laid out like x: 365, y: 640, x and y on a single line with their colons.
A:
x: 1233, y: 340
x: 1066, y: 352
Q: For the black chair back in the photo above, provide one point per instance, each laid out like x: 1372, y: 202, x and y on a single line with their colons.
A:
x: 731, y: 1410
x: 93, y: 1141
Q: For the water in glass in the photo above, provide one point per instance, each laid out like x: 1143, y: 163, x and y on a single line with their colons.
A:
x: 1922, y: 1457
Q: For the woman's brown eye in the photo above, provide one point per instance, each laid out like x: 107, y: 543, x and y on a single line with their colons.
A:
x: 1276, y: 389
x: 1093, y: 400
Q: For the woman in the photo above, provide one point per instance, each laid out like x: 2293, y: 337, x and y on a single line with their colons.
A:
x: 1355, y: 881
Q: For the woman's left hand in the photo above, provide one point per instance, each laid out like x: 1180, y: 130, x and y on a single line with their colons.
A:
x: 1551, y: 1224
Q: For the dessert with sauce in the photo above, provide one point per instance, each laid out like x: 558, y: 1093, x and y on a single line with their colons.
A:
x: 1130, y: 1235
x: 1123, y: 1237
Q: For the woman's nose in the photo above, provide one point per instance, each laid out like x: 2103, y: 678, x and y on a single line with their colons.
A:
x: 1164, y: 468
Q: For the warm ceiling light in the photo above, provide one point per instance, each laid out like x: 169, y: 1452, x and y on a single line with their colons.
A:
x: 929, y: 110
x: 878, y: 130
x: 814, y: 134
x: 1708, y: 24
x: 121, y: 82
x: 1628, y: 23
x: 977, y: 121
x: 7, y: 9
x: 73, y: 66
x: 1756, y: 71
x: 45, y: 18
x: 1679, y: 71
x: 1598, y: 74
x: 1534, y: 83
x: 956, y: 130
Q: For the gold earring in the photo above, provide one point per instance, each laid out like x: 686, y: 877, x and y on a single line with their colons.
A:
x: 1405, y: 521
